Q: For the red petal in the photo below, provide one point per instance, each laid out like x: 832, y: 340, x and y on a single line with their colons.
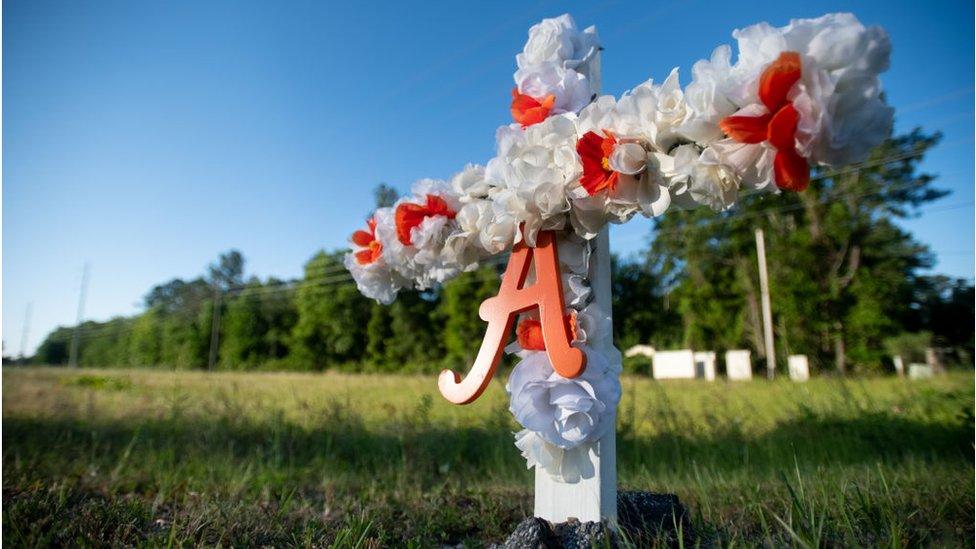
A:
x: 361, y: 238
x: 529, y: 332
x: 407, y: 217
x: 782, y: 128
x: 745, y: 129
x: 529, y: 335
x: 436, y: 205
x: 778, y: 79
x: 527, y: 110
x: 365, y: 257
x: 791, y: 170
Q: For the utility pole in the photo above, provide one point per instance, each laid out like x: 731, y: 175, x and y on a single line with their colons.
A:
x: 767, y: 308
x: 76, y: 336
x: 214, y: 331
x: 25, y: 331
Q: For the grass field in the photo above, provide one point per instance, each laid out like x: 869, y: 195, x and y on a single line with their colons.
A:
x: 141, y: 457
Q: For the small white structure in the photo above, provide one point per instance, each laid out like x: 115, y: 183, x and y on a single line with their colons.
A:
x: 674, y: 364
x: 738, y: 365
x: 919, y: 371
x: 639, y: 350
x: 899, y: 365
x: 799, y: 367
x: 705, y: 365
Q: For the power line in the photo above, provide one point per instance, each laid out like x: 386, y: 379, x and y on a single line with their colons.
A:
x: 73, y: 353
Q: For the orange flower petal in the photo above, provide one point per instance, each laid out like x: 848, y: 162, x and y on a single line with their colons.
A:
x: 409, y: 215
x: 365, y: 257
x: 782, y: 128
x: 778, y: 78
x: 593, y: 150
x: 745, y: 129
x: 529, y: 332
x: 361, y: 238
x: 791, y: 170
x: 527, y: 110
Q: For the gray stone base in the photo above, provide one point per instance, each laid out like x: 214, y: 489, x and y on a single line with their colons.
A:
x: 644, y: 519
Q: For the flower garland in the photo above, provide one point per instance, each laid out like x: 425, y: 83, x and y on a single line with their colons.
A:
x: 797, y: 96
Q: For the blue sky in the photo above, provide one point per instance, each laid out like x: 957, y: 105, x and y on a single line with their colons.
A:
x: 146, y: 138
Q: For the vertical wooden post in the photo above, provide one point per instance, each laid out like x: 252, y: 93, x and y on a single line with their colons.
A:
x: 767, y: 308
x: 595, y: 498
x: 214, y: 331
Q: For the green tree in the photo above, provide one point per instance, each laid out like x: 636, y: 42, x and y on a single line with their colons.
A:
x: 841, y: 270
x: 55, y: 348
x: 640, y: 315
x: 332, y: 316
x: 463, y: 329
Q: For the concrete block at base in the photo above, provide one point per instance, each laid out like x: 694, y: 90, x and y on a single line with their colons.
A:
x: 644, y: 519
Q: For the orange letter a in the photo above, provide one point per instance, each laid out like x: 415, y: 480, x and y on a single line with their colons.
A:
x: 500, y: 312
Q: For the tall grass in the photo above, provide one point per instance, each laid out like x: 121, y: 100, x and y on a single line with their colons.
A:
x: 133, y: 457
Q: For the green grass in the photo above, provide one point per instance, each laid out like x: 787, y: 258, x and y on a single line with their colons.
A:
x: 109, y: 457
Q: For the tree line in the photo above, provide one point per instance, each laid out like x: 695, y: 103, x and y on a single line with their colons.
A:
x: 845, y: 282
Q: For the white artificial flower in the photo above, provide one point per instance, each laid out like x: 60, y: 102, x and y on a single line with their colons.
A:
x: 536, y: 171
x: 700, y: 179
x: 377, y: 279
x: 594, y: 327
x: 557, y: 41
x: 708, y: 97
x: 424, y: 260
x: 463, y: 247
x: 564, y: 416
x: 599, y: 116
x: 654, y: 113
x: 838, y: 97
x: 628, y: 158
x: 569, y: 466
x: 571, y: 89
x: 374, y: 280
x: 639, y: 188
x: 470, y: 184
x: 574, y: 254
x: 565, y: 412
x: 671, y: 107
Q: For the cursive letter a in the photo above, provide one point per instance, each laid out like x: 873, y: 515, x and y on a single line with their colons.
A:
x: 500, y: 312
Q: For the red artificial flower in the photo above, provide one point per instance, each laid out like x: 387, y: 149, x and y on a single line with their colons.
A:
x: 595, y: 150
x: 778, y: 127
x: 527, y: 110
x: 529, y: 332
x: 409, y: 215
x: 367, y: 240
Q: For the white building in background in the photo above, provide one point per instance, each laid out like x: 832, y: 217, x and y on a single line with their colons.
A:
x: 738, y: 365
x: 674, y: 364
x: 799, y: 367
x: 919, y: 371
x: 639, y: 350
x: 705, y: 365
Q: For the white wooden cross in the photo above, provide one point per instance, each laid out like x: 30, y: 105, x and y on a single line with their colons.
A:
x: 760, y: 125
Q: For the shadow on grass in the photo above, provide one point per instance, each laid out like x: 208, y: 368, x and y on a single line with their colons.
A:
x: 414, y: 448
x: 273, y: 481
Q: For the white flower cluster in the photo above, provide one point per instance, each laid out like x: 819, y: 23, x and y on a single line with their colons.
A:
x: 559, y: 61
x: 798, y: 96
